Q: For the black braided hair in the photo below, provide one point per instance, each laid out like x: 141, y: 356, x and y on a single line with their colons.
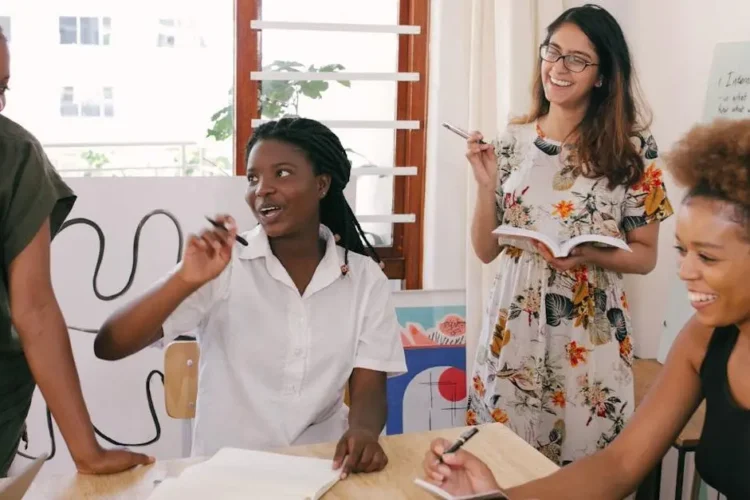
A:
x: 324, y: 150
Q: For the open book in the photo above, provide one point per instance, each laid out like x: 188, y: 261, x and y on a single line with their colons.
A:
x: 559, y: 248
x: 242, y: 474
x: 440, y: 493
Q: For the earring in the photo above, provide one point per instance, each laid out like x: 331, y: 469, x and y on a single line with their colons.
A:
x: 598, y: 83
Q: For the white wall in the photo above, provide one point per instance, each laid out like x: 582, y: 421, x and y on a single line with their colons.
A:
x: 445, y: 196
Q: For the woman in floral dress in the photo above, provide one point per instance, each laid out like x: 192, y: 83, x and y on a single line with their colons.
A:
x: 555, y: 355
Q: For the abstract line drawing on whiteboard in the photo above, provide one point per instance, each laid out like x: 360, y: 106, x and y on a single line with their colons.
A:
x: 106, y: 298
x: 134, y: 265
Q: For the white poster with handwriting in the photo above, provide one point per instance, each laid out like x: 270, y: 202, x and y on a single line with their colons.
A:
x: 726, y: 97
x: 729, y: 83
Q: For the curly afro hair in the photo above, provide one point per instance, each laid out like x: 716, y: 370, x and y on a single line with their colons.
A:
x: 713, y: 161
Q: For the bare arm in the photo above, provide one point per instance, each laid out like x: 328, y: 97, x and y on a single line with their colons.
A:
x: 369, y: 406
x: 37, y: 317
x: 616, y: 471
x: 644, y: 242
x: 139, y: 323
x: 484, y: 164
x: 483, y: 223
x: 358, y: 449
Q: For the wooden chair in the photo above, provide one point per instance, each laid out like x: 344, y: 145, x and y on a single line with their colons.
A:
x: 645, y: 372
x: 181, y: 378
x: 181, y: 385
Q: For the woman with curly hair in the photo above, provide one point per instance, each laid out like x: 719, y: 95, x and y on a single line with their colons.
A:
x: 555, y: 353
x: 709, y: 359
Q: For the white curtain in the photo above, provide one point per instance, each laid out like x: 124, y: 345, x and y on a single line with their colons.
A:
x: 505, y: 37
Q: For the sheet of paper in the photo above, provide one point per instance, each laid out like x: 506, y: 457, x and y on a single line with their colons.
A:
x: 440, y: 493
x: 235, y: 473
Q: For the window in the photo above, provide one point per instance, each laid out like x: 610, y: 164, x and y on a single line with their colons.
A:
x: 68, y: 106
x: 139, y: 110
x: 85, y: 30
x: 92, y: 104
x: 5, y: 26
x: 378, y: 108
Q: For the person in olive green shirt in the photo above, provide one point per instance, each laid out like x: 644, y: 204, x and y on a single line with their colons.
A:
x: 34, y: 343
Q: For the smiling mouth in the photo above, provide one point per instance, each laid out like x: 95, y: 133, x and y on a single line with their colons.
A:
x: 699, y: 300
x: 269, y: 212
x: 559, y: 83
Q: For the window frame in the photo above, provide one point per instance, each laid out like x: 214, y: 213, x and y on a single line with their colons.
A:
x: 403, y: 259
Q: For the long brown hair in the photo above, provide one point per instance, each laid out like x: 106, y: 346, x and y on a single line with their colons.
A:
x: 616, y: 112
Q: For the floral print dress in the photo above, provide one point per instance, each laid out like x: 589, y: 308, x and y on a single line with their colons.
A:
x: 555, y: 355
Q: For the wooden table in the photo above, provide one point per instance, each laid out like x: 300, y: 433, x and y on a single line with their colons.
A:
x: 510, y: 458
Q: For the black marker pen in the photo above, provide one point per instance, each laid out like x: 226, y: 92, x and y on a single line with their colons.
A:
x: 237, y: 237
x: 460, y: 442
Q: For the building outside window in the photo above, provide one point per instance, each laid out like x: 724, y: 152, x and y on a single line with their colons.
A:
x: 85, y: 30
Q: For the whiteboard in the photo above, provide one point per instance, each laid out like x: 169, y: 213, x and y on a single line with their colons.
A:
x: 729, y: 83
x: 727, y: 98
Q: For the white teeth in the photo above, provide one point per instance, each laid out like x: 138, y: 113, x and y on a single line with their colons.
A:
x: 560, y: 83
x: 265, y: 210
x: 701, y: 297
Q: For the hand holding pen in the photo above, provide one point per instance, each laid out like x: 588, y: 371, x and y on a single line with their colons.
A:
x: 457, y: 471
x: 209, y: 252
x: 481, y: 156
x: 240, y: 239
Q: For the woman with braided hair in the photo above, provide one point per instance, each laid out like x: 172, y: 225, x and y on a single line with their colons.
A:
x: 287, y: 321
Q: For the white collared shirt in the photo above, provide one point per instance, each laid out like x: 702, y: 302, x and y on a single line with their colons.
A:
x: 273, y: 364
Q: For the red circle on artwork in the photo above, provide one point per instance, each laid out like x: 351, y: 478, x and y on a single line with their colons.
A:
x: 452, y: 384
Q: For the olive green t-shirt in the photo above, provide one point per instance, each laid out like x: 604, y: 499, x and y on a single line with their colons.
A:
x: 30, y: 192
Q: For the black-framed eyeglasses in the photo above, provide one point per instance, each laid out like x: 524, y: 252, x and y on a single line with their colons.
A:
x: 572, y: 62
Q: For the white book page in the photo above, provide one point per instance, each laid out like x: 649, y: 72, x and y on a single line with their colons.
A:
x: 440, y: 493
x: 515, y: 232
x: 567, y: 246
x: 261, y: 475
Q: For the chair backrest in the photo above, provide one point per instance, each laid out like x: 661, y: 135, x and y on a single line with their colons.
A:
x: 181, y: 378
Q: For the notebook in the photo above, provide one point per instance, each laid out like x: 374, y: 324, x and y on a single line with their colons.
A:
x: 17, y: 486
x: 441, y: 493
x: 241, y: 474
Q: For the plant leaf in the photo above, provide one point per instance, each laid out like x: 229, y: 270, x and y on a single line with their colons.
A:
x: 617, y: 320
x: 313, y: 89
x: 331, y: 67
x: 632, y: 222
x: 558, y: 308
x: 600, y: 330
x: 600, y: 299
